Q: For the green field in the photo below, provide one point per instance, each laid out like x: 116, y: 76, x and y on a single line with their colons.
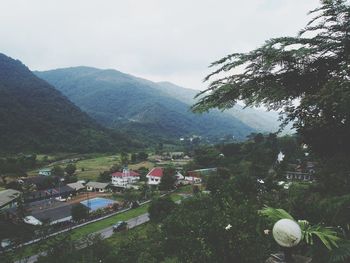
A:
x: 89, y: 169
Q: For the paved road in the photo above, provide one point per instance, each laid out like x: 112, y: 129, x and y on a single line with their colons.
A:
x: 105, y: 233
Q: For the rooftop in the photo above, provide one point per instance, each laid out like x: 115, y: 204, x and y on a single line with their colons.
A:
x: 156, y: 171
x: 126, y: 173
x: 97, y: 185
x: 7, y: 196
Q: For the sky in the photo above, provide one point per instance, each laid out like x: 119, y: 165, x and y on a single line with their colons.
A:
x: 160, y: 40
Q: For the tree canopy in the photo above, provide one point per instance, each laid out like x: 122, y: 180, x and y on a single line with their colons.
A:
x: 307, y: 77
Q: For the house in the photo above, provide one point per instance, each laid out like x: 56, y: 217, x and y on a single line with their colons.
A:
x: 8, y: 199
x: 38, y: 182
x: 62, y: 191
x: 179, y: 176
x: 154, y: 176
x: 193, y: 179
x: 125, y: 179
x: 45, y: 172
x: 77, y: 186
x: 299, y: 176
x: 96, y: 186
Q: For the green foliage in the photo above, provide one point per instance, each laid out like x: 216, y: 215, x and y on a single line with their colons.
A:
x: 160, y: 208
x: 312, y: 68
x: 274, y: 214
x: 36, y: 117
x: 167, y: 182
x: 207, y: 229
x: 70, y: 169
x: 79, y: 212
x: 328, y: 236
x: 57, y: 171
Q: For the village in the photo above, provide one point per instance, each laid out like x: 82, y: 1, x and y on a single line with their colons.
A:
x: 126, y: 188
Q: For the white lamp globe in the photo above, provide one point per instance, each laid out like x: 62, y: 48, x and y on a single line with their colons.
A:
x: 287, y: 233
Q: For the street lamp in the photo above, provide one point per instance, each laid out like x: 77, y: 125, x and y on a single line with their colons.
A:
x: 287, y: 233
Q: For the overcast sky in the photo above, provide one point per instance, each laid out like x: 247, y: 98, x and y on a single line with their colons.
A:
x: 161, y: 40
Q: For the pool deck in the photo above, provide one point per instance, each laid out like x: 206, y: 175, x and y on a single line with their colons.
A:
x: 55, y: 210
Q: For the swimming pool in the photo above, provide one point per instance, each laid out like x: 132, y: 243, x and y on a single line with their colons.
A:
x: 97, y: 203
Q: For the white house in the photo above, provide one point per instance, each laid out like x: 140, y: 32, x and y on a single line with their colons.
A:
x: 45, y: 172
x: 154, y: 176
x: 96, y: 186
x: 125, y: 179
x: 193, y: 179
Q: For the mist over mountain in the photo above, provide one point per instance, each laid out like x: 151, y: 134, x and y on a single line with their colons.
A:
x: 262, y: 121
x: 34, y: 116
x: 124, y: 102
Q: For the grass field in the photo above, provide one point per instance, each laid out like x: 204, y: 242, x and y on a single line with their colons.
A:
x: 91, y: 168
x: 145, y: 164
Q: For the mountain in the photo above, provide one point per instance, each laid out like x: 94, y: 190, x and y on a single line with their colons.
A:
x: 34, y: 116
x: 260, y: 120
x: 136, y: 105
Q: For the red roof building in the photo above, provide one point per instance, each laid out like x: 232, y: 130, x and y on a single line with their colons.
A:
x: 155, y: 175
x: 125, y: 179
x: 126, y: 173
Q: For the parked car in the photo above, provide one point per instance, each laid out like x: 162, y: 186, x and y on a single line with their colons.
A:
x: 120, y: 226
x: 61, y: 199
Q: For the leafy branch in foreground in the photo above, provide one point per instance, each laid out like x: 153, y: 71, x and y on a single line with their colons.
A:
x: 307, y: 77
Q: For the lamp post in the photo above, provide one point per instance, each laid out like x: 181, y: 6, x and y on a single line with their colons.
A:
x: 287, y: 233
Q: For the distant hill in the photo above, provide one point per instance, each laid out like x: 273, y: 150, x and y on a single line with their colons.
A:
x: 260, y: 120
x: 34, y: 116
x: 136, y: 105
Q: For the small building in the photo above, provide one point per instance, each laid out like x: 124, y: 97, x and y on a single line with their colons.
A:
x: 8, y: 199
x: 299, y: 176
x: 77, y: 186
x: 97, y: 187
x: 125, y: 179
x: 45, y: 172
x: 62, y: 191
x: 154, y: 176
x: 179, y: 176
x: 193, y: 179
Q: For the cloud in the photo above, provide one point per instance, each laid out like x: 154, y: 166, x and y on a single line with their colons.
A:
x: 156, y: 39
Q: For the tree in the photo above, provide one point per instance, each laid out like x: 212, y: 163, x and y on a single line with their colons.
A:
x: 104, y: 176
x: 311, y: 68
x: 57, y: 171
x: 79, y: 212
x: 70, y: 169
x: 142, y: 156
x: 134, y: 157
x: 124, y: 158
x: 160, y: 208
x: 168, y: 179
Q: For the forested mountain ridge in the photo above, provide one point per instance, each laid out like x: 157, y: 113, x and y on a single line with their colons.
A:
x: 260, y: 120
x: 132, y: 104
x: 34, y: 116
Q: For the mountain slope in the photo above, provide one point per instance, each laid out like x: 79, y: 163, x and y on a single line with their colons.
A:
x: 260, y: 120
x: 129, y: 103
x: 34, y: 116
